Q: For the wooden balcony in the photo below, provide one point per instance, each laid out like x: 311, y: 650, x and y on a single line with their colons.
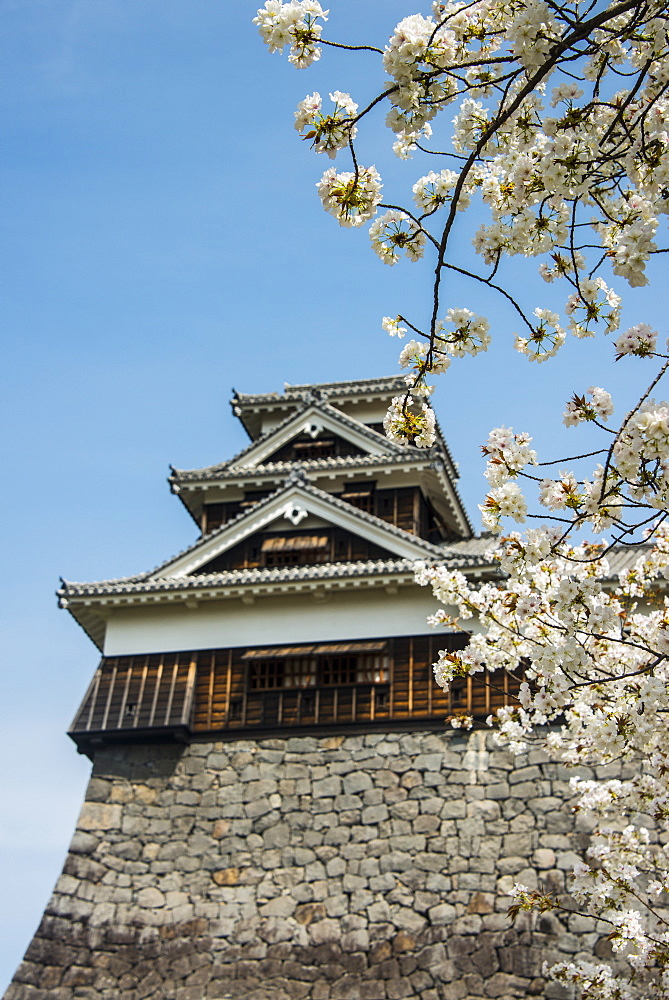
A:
x: 356, y: 685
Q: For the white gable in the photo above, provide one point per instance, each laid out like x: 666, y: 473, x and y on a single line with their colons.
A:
x: 285, y: 510
x: 313, y: 420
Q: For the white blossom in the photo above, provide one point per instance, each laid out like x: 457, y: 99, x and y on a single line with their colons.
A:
x: 639, y: 340
x: 572, y: 173
x: 294, y: 24
x: 351, y: 197
x: 331, y: 132
x: 394, y: 233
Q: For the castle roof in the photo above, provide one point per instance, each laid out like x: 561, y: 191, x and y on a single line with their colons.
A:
x: 314, y: 413
x: 207, y: 569
x: 247, y: 406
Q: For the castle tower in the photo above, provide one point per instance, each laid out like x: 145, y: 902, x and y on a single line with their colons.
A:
x: 296, y: 607
x: 275, y: 809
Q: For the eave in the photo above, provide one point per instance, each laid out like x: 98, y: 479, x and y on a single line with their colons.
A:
x: 191, y: 486
x: 247, y: 407
x: 90, y: 603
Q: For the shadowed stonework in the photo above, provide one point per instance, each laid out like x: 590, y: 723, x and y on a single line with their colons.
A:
x: 373, y: 867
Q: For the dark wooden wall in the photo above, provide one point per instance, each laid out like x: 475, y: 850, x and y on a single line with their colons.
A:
x: 365, y: 684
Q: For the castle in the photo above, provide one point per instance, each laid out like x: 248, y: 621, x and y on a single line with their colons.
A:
x: 276, y: 808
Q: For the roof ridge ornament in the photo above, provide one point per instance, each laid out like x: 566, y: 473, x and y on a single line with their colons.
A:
x: 315, y: 395
x: 297, y: 477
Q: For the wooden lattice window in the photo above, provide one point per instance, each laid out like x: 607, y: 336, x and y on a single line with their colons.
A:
x: 294, y: 550
x: 287, y: 672
x: 323, y: 448
x: 339, y: 669
x: 360, y: 495
x: 266, y: 674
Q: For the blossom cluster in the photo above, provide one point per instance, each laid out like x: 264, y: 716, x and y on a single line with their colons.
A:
x: 410, y: 420
x: 295, y: 24
x: 328, y: 133
x: 551, y: 120
x: 351, y: 197
x: 564, y: 143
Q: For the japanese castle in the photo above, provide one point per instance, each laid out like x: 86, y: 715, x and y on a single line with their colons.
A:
x: 296, y: 606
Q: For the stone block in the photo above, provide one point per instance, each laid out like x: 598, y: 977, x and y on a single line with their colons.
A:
x: 355, y: 940
x: 99, y: 816
x: 309, y: 912
x: 258, y: 808
x: 483, y: 809
x: 335, y: 866
x: 543, y: 858
x: 337, y: 905
x: 407, y: 809
x: 427, y: 762
x: 83, y: 843
x: 443, y: 913
x: 453, y: 809
x: 281, y: 906
x: 521, y: 774
x: 373, y: 990
x: 346, y: 988
x: 396, y: 861
x: 396, y: 989
x: 502, y: 984
x: 326, y: 787
x: 226, y: 876
x: 325, y: 931
x: 426, y: 824
x: 353, y: 883
x: 360, y: 900
x: 357, y: 781
x: 403, y: 941
x: 346, y: 803
x: 78, y: 976
x: 277, y: 835
x: 481, y: 903
x: 454, y: 991
x: 511, y: 865
x: 566, y: 861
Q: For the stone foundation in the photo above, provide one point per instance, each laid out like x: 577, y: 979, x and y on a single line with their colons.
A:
x: 363, y: 867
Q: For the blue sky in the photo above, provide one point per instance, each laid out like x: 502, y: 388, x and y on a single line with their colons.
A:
x: 162, y: 243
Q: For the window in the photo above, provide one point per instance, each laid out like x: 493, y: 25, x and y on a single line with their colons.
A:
x: 235, y: 713
x: 327, y: 664
x: 281, y: 672
x: 324, y: 448
x: 360, y: 495
x: 266, y: 674
x: 382, y: 700
x: 353, y: 670
x: 294, y: 550
x: 300, y: 673
x: 372, y: 670
x: 338, y: 669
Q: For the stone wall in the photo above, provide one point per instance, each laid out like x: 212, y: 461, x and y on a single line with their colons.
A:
x: 366, y: 867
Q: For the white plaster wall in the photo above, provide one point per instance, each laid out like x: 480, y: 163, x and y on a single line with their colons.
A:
x: 362, y: 614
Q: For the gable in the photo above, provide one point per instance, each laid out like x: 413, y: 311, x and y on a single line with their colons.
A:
x: 308, y: 447
x: 309, y: 430
x: 303, y: 507
x: 308, y: 547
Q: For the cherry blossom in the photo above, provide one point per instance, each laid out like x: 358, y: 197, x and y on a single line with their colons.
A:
x: 328, y: 133
x: 294, y: 24
x: 351, y: 197
x: 550, y: 121
x: 394, y: 233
